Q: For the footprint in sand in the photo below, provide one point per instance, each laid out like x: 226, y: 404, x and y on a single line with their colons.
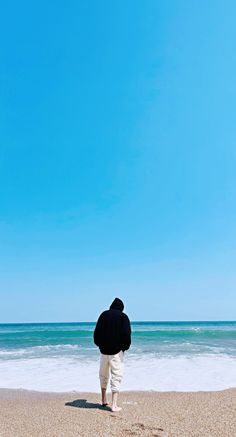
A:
x: 146, y: 431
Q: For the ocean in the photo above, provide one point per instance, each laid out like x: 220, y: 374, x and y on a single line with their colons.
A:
x: 164, y: 356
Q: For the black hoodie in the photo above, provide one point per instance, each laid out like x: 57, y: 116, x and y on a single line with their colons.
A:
x: 113, y: 333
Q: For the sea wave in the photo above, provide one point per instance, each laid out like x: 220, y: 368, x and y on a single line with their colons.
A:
x: 187, y: 333
x: 167, y: 374
x: 40, y: 351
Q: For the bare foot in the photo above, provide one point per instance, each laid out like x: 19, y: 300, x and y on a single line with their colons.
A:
x: 105, y: 404
x: 115, y: 409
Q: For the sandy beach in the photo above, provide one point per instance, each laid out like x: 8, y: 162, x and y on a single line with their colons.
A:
x: 34, y: 414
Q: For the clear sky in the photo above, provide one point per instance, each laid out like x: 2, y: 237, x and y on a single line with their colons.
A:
x: 117, y: 159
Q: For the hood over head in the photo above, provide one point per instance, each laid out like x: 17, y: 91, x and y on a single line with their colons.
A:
x: 117, y: 304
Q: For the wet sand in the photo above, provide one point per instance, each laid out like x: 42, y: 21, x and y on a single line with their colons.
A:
x: 33, y: 414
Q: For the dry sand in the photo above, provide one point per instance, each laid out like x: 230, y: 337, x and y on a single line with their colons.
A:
x: 33, y: 414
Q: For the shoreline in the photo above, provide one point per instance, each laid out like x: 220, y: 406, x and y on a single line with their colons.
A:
x: 25, y: 413
x: 51, y: 393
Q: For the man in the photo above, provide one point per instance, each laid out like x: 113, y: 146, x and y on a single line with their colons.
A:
x: 113, y: 336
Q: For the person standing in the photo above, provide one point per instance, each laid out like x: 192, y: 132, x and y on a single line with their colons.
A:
x: 112, y: 335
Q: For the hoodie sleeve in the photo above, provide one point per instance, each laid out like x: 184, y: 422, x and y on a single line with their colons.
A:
x: 125, y: 333
x: 97, y: 332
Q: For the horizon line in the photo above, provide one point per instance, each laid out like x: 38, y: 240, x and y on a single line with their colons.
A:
x: 132, y: 321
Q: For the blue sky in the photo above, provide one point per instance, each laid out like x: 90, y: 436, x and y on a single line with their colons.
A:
x: 117, y: 159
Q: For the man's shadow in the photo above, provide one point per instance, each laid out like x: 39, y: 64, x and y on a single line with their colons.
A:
x: 83, y: 403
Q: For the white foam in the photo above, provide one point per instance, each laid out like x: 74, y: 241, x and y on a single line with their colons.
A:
x: 143, y: 373
x: 36, y: 350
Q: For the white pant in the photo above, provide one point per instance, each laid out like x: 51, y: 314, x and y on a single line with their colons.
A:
x: 114, y: 363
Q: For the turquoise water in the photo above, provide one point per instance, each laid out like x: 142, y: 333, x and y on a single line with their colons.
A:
x: 182, y: 356
x: 161, y: 338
